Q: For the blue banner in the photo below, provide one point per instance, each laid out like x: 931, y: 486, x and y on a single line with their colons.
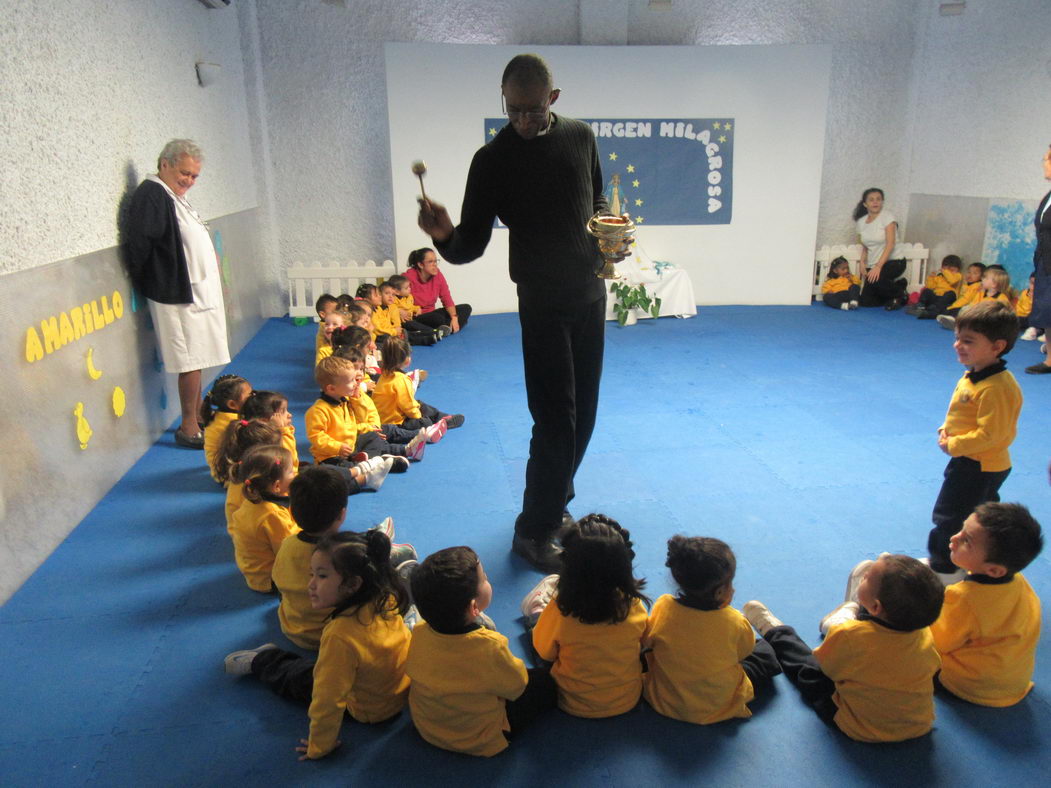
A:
x: 663, y: 171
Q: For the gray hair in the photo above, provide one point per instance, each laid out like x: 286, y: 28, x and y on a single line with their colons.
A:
x: 176, y: 149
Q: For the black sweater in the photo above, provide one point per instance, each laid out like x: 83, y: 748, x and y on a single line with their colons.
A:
x: 545, y: 190
x: 153, y: 247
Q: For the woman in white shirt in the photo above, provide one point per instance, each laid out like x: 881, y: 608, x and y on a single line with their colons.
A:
x: 882, y: 258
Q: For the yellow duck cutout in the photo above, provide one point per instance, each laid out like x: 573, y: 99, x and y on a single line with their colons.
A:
x: 84, y: 432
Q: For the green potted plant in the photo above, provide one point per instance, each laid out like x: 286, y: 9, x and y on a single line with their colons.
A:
x: 631, y: 298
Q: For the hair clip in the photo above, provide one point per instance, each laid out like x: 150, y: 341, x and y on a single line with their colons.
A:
x: 244, y: 422
x: 277, y: 461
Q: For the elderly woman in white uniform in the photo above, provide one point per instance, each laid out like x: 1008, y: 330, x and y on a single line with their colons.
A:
x: 173, y: 264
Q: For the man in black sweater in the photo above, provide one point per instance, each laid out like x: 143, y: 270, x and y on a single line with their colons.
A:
x: 541, y: 176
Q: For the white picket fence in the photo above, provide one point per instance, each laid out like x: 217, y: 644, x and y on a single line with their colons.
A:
x: 916, y: 257
x: 307, y: 281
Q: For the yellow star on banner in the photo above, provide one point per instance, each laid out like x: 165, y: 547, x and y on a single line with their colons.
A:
x: 613, y: 157
x: 639, y: 220
x: 717, y: 125
x: 722, y: 138
x: 635, y: 183
x: 631, y: 168
x: 492, y: 132
x: 727, y: 126
x: 638, y: 203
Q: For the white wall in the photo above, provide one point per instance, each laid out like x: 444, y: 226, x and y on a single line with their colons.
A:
x: 92, y: 91
x: 776, y: 95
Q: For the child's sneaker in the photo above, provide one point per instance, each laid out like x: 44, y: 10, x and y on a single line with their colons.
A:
x: 760, y: 617
x: 411, y: 617
x: 485, y: 621
x: 417, y: 376
x: 535, y: 601
x: 385, y: 527
x: 358, y: 456
x: 239, y: 663
x: 398, y: 464
x: 847, y: 611
x: 401, y: 554
x: 443, y: 332
x: 1030, y: 334
x: 436, y: 431
x: 914, y: 309
x: 857, y: 574
x: 453, y: 421
x: 845, y: 306
x: 948, y: 322
x: 414, y: 448
x: 947, y: 578
x: 375, y: 470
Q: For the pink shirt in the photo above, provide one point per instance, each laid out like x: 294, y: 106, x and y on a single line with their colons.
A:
x: 426, y: 294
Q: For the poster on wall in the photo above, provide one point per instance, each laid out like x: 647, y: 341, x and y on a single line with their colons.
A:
x: 663, y: 171
x: 1010, y: 238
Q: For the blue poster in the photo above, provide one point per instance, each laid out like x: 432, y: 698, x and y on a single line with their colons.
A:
x: 1010, y: 238
x: 663, y: 171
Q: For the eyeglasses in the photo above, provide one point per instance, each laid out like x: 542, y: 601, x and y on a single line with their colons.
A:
x: 533, y: 114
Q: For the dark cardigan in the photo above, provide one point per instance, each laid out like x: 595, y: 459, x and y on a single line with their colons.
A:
x: 153, y: 247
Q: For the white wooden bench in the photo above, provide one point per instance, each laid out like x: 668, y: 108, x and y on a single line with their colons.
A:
x: 916, y: 261
x: 307, y: 281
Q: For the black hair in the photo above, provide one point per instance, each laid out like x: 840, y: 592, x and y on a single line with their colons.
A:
x: 527, y: 70
x: 832, y: 266
x: 316, y: 497
x: 702, y: 567
x: 977, y: 264
x: 860, y: 209
x: 1013, y: 536
x: 344, y: 301
x: 240, y: 436
x: 352, y: 336
x: 596, y: 584
x: 910, y: 593
x: 993, y: 320
x: 367, y: 557
x: 262, y: 404
x: 259, y: 468
x: 351, y: 353
x: 365, y: 290
x: 444, y: 585
x: 397, y: 281
x: 952, y: 260
x: 224, y: 389
x: 395, y: 351
x: 416, y: 256
x: 324, y: 300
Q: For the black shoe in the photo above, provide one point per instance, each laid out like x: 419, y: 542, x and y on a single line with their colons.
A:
x: 915, y: 310
x: 196, y: 442
x: 541, y: 553
x: 896, y: 303
x: 1036, y: 369
x: 925, y: 315
x: 454, y: 421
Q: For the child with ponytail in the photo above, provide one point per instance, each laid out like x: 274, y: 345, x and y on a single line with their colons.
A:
x: 221, y: 406
x: 396, y: 400
x: 273, y: 407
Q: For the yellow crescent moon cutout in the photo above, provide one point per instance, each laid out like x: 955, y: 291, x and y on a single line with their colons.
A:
x: 119, y: 401
x: 93, y: 373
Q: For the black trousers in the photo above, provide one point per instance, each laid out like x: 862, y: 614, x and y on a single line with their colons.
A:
x: 936, y: 304
x: 440, y: 316
x: 562, y: 347
x: 417, y: 333
x: 887, y: 287
x: 836, y: 300
x: 540, y: 695
x: 286, y: 674
x: 802, y: 669
x: 762, y: 664
x: 965, y: 486
x: 398, y: 433
x: 428, y: 416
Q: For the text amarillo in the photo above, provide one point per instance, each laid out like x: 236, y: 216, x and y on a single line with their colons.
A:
x: 59, y: 330
x: 641, y: 128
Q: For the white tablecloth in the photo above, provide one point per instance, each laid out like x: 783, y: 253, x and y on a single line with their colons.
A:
x: 671, y: 285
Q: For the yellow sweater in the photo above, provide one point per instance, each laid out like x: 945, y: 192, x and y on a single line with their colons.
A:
x: 387, y: 320
x: 968, y: 295
x: 983, y: 417
x: 321, y: 340
x: 597, y: 666
x: 361, y: 670
x: 330, y: 424
x: 839, y: 284
x: 301, y: 623
x: 235, y: 496
x: 213, y: 438
x: 288, y: 442
x: 322, y: 352
x: 257, y: 530
x: 944, y: 281
x: 459, y: 687
x: 365, y: 413
x: 987, y: 635
x: 884, y: 680
x: 1025, y: 303
x: 695, y: 672
x: 394, y: 398
x: 408, y: 303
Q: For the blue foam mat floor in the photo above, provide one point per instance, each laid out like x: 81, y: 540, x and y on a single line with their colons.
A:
x: 803, y: 436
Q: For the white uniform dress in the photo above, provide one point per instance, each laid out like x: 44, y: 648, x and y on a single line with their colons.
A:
x: 193, y: 336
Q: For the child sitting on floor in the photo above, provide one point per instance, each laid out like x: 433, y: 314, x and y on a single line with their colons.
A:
x: 873, y: 677
x: 593, y: 620
x: 360, y: 667
x: 273, y: 407
x: 263, y: 521
x: 325, y: 303
x: 1023, y: 308
x: 703, y: 657
x: 240, y: 436
x: 415, y: 332
x: 468, y: 692
x: 335, y: 320
x: 990, y: 624
x: 841, y: 289
x: 386, y: 318
x: 221, y: 406
x: 395, y: 398
x: 939, y: 291
x: 970, y: 293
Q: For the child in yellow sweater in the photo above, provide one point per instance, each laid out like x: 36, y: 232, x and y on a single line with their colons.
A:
x: 970, y: 293
x: 241, y: 436
x: 990, y: 624
x: 873, y: 677
x: 219, y: 408
x: 939, y: 291
x: 1023, y: 308
x: 273, y: 407
x: 360, y: 667
x: 395, y: 399
x: 325, y: 303
x: 841, y: 289
x: 702, y: 656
